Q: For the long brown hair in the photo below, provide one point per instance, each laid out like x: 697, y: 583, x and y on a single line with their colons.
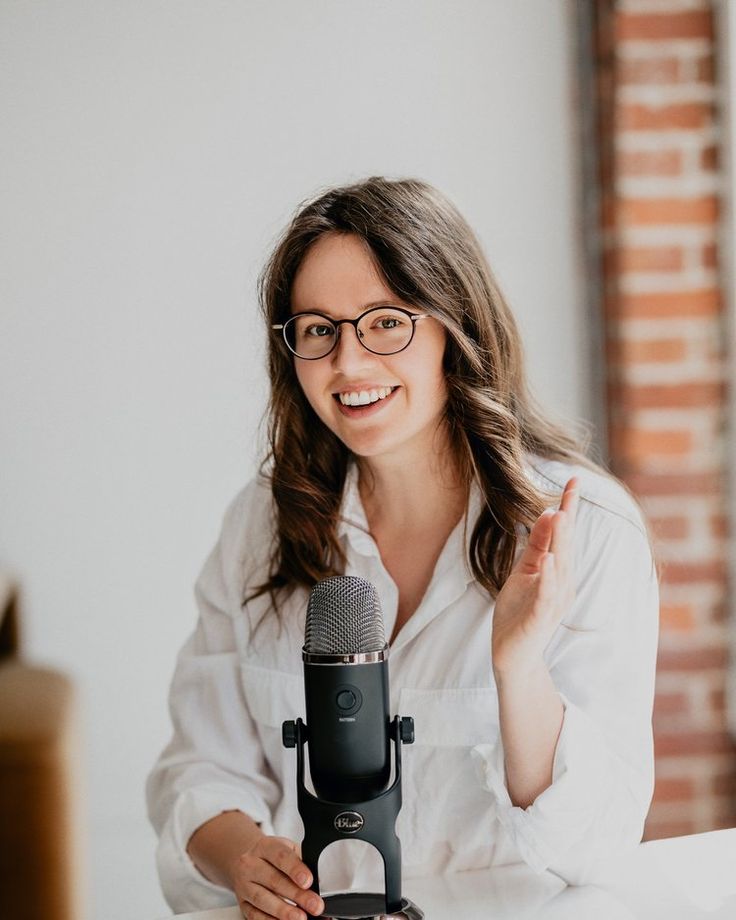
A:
x: 429, y: 256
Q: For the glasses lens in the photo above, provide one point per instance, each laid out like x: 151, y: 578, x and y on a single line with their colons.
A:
x: 385, y: 330
x: 309, y: 335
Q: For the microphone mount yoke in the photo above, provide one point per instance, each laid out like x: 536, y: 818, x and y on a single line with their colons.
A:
x: 372, y: 820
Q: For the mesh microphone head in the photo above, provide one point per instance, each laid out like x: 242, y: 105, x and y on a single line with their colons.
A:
x: 344, y: 618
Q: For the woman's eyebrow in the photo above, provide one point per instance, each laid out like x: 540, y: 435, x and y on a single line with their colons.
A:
x: 383, y: 302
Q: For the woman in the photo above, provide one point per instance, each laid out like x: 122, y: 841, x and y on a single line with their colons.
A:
x: 516, y: 579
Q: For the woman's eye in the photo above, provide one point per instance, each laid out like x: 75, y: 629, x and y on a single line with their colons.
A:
x: 387, y: 322
x: 318, y: 329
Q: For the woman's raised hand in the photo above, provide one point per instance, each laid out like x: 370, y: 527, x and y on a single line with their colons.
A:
x: 538, y: 592
x: 270, y: 874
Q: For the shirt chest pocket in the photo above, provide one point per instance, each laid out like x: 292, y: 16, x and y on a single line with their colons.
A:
x: 272, y: 696
x: 445, y: 800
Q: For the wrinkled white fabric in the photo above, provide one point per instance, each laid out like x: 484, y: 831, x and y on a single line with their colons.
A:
x: 239, y: 676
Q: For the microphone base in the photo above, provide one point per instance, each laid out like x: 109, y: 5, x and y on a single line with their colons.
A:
x: 355, y: 905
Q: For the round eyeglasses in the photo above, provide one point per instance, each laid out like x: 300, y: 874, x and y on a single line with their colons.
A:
x: 381, y: 330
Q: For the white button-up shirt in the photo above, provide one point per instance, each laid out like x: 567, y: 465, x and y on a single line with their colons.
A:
x: 239, y: 676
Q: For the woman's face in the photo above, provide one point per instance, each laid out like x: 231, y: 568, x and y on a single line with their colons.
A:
x: 338, y: 278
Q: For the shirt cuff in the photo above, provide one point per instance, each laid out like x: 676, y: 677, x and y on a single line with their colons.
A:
x: 183, y: 885
x: 561, y: 815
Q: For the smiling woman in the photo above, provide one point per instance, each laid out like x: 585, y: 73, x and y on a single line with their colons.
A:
x: 515, y: 577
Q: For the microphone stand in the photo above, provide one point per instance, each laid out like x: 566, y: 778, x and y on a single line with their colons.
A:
x: 373, y: 820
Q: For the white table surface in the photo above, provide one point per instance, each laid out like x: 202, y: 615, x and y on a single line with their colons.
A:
x: 681, y: 878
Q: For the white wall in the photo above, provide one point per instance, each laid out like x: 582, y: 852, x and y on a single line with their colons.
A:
x: 151, y: 151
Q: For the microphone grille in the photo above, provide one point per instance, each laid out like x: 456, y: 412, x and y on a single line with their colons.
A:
x: 344, y: 617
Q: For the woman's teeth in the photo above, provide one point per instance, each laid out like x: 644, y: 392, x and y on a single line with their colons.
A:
x: 365, y: 397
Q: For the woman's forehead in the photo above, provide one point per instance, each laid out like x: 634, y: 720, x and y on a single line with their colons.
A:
x: 338, y: 273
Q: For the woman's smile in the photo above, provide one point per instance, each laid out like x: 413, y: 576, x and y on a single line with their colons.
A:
x: 359, y: 403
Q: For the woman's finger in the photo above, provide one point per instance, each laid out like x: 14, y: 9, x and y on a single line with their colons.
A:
x: 563, y: 523
x: 562, y: 543
x: 570, y: 498
x: 269, y: 903
x: 561, y: 536
x: 252, y: 913
x: 548, y: 581
x: 550, y: 610
x: 537, y: 544
x: 275, y: 880
x: 283, y: 854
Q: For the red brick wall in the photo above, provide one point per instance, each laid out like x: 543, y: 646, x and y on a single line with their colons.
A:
x: 666, y: 371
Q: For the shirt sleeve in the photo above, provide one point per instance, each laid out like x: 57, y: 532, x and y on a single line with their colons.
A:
x: 602, y: 661
x: 213, y: 762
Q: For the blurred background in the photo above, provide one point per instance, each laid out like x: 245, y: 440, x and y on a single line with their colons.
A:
x: 151, y: 153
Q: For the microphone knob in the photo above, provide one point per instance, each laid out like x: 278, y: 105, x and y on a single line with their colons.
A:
x: 406, y: 730
x: 288, y: 733
x: 346, y: 699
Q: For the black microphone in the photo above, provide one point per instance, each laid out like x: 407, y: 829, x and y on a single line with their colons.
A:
x: 346, y: 689
x: 349, y: 735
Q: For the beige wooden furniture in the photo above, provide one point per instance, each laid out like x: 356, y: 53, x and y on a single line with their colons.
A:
x: 39, y: 838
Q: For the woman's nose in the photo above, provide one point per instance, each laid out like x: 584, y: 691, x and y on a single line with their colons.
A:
x: 349, y: 353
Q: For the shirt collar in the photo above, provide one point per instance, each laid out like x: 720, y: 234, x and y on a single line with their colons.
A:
x: 353, y: 527
x: 352, y: 524
x: 452, y: 574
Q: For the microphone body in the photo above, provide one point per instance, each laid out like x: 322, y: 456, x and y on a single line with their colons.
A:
x: 346, y: 689
x: 348, y: 717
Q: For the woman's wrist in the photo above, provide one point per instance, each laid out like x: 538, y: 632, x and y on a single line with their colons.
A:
x: 520, y: 673
x: 217, y: 845
x: 530, y: 717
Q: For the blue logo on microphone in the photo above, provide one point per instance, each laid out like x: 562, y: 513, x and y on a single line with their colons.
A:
x: 348, y: 822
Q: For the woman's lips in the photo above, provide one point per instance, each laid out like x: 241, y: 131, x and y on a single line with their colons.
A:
x: 361, y: 411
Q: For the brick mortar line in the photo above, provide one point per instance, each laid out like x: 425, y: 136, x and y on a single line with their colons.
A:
x: 693, y: 237
x: 655, y: 140
x: 669, y: 419
x: 665, y: 467
x: 638, y: 377
x: 690, y: 235
x: 662, y: 6
x: 700, y: 184
x: 656, y: 48
x: 677, y: 597
x: 668, y: 682
x: 668, y: 282
x: 699, y: 528
x: 699, y: 538
x: 697, y: 811
x: 690, y: 514
x: 644, y: 328
x: 688, y: 506
x: 665, y: 95
x: 672, y: 765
